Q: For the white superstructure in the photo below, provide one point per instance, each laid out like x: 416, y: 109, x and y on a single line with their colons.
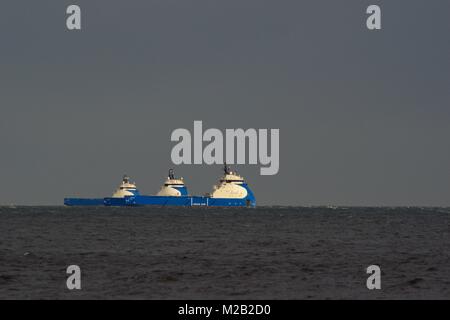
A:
x: 127, y: 188
x: 172, y: 187
x: 230, y: 186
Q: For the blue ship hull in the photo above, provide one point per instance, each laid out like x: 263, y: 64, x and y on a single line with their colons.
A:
x: 189, y: 201
x: 183, y: 200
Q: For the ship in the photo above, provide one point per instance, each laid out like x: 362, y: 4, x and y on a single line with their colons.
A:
x: 231, y: 191
x: 126, y: 189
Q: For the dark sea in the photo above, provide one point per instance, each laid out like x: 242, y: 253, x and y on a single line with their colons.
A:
x: 224, y: 253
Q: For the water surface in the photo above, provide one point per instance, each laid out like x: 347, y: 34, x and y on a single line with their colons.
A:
x: 224, y: 253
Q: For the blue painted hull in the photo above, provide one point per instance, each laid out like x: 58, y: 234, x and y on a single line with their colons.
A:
x: 116, y: 202
x: 184, y: 200
x: 188, y: 201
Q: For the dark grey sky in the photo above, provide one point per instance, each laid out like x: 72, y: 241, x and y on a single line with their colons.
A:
x: 363, y: 116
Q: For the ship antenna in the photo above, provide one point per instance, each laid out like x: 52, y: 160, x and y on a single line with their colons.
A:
x: 226, y: 168
x: 171, y: 176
